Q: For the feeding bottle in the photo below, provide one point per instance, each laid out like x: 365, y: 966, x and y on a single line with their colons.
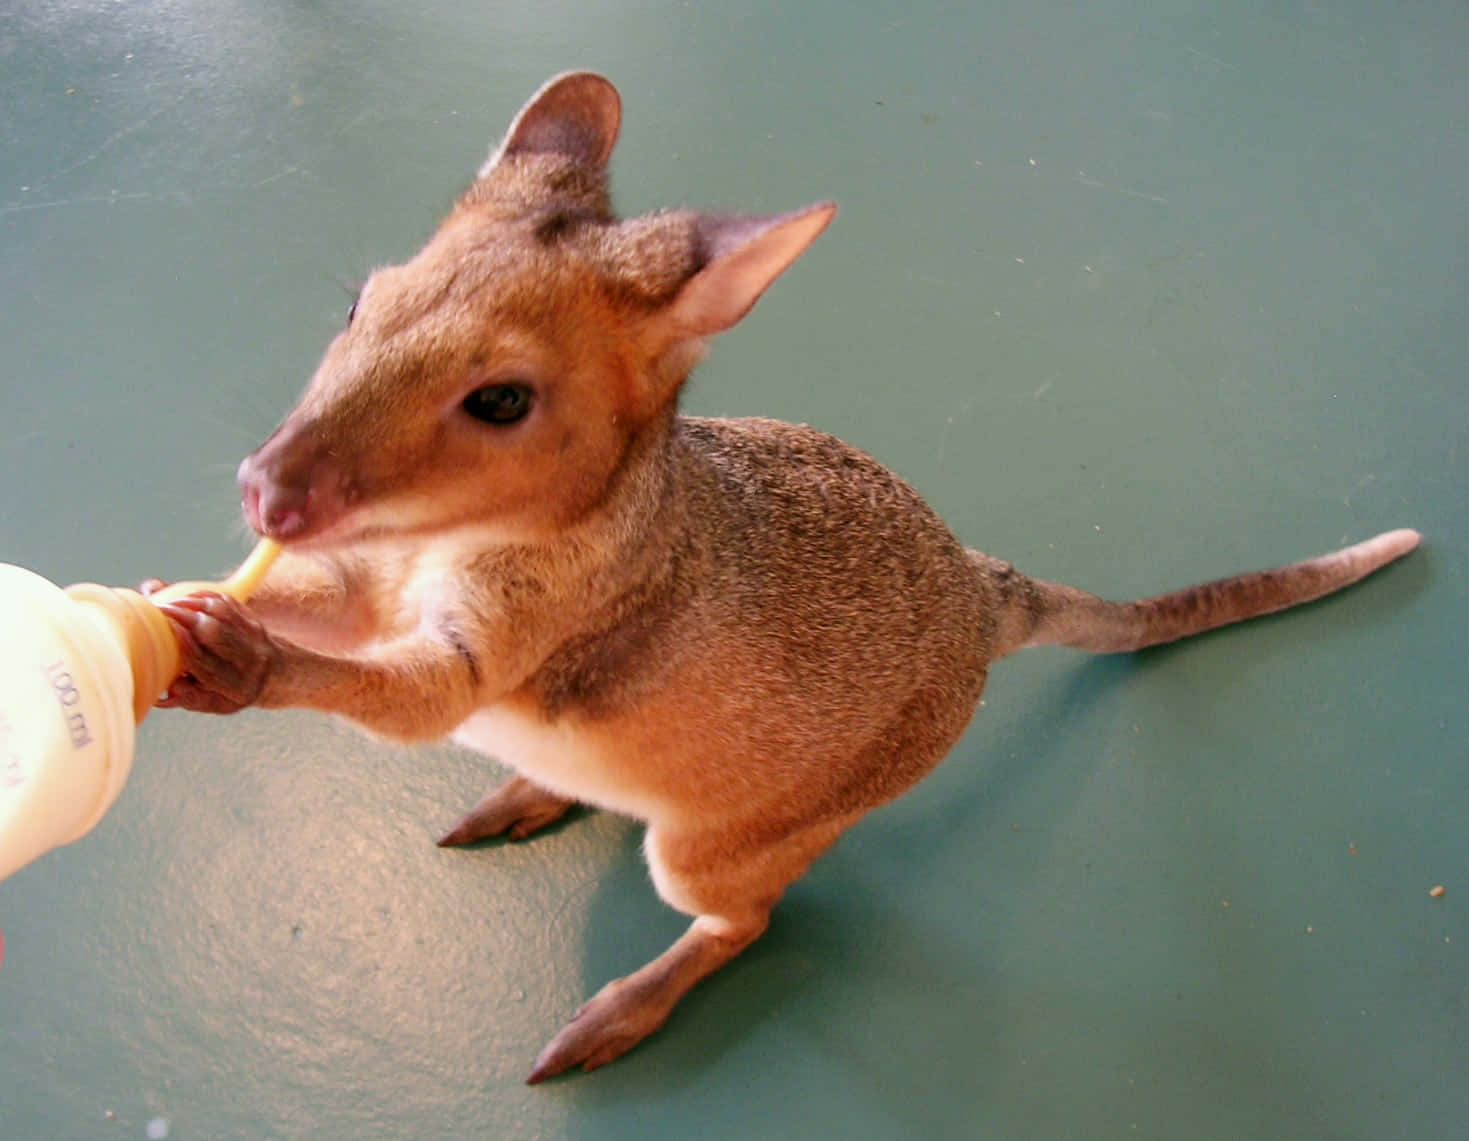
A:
x: 79, y: 670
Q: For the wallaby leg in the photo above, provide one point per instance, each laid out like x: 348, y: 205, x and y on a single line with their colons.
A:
x: 729, y: 883
x: 517, y: 807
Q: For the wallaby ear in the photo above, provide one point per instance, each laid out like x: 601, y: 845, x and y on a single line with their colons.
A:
x: 741, y: 257
x: 575, y: 115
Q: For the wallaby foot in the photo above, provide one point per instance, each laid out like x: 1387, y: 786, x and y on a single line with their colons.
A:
x: 627, y: 1010
x: 516, y: 808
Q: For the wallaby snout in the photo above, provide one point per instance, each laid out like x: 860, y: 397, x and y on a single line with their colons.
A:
x: 290, y: 489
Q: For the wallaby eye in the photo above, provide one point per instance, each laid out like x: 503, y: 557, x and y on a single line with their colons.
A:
x: 352, y: 309
x: 499, y: 403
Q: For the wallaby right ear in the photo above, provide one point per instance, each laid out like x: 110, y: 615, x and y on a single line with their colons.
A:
x: 575, y: 116
x: 741, y: 258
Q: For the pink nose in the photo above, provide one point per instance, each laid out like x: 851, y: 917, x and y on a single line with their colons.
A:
x: 276, y: 511
x: 287, y: 488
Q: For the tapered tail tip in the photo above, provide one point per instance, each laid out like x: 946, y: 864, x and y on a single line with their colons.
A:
x: 1391, y: 545
x: 1374, y: 553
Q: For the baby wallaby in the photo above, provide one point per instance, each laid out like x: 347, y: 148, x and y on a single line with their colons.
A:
x: 498, y: 528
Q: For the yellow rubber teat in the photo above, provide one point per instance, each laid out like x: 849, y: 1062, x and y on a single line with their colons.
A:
x: 151, y: 646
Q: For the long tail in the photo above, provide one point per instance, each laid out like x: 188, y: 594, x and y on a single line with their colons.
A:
x: 1038, y: 613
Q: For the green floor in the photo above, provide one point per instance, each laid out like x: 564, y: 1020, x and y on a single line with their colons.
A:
x: 1135, y: 293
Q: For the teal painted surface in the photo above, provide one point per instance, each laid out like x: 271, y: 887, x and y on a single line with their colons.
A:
x: 1135, y: 293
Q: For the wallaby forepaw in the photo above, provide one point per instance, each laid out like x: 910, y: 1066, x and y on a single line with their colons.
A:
x: 227, y: 655
x: 516, y: 809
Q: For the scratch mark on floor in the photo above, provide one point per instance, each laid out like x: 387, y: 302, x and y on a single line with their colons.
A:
x: 104, y: 147
x: 1158, y: 198
x: 290, y: 170
x: 86, y: 200
x: 1212, y: 59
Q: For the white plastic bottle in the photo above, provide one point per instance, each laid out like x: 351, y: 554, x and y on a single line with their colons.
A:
x: 79, y: 670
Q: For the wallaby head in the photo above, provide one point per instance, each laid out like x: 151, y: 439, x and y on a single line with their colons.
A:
x: 503, y: 376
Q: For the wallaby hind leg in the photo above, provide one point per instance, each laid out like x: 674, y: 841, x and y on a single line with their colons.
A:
x: 729, y: 884
x: 517, y: 808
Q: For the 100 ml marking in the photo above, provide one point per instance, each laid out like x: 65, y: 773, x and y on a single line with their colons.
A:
x: 70, y: 697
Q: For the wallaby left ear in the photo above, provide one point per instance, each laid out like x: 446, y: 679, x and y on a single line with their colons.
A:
x: 576, y: 115
x: 741, y: 258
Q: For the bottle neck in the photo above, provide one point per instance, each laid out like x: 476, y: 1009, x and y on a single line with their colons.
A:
x: 144, y: 631
x: 152, y: 650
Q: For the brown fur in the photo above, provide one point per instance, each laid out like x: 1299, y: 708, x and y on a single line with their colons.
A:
x: 743, y: 633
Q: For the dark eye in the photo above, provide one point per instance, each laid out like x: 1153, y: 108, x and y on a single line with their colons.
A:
x: 499, y: 403
x: 352, y: 309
